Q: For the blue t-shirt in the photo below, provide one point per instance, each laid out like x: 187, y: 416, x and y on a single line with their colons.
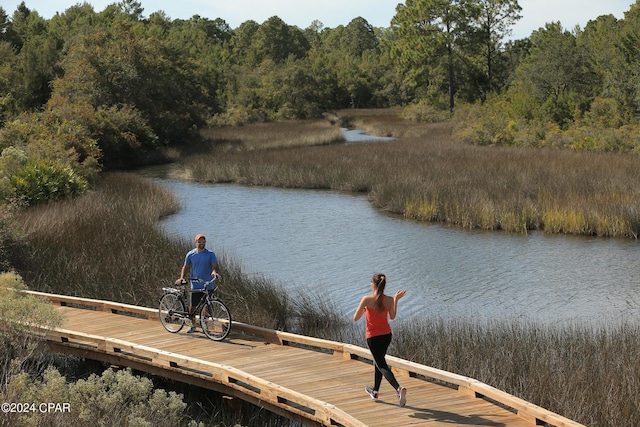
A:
x: 201, y: 266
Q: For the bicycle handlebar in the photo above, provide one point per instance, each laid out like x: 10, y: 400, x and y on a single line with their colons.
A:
x: 183, y: 282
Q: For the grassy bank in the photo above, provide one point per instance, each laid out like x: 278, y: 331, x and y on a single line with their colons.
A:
x: 107, y: 245
x: 287, y: 134
x: 591, y: 375
x: 428, y: 175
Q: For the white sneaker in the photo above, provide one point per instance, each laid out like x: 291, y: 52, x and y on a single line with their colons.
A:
x: 402, y: 396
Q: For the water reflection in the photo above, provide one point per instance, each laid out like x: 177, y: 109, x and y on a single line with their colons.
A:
x: 330, y: 243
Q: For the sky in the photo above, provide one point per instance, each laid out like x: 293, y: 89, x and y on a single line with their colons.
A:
x: 332, y: 13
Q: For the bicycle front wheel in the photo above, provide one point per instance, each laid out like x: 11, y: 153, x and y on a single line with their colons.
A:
x: 172, y: 312
x: 215, y: 320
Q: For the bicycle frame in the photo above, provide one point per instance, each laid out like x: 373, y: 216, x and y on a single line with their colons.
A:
x: 206, y: 298
x: 215, y: 317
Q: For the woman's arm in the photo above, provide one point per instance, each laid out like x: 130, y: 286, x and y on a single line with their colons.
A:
x: 360, y: 310
x: 393, y: 309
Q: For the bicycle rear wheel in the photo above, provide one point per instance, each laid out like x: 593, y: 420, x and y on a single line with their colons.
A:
x: 172, y: 312
x: 215, y: 320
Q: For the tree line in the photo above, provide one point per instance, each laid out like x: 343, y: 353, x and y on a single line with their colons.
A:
x: 88, y: 90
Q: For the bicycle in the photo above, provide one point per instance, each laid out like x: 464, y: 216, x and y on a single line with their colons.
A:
x: 215, y: 317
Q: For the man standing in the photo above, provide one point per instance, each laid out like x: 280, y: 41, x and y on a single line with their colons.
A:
x: 199, y: 263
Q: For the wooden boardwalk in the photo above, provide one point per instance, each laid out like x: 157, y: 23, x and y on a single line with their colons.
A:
x: 316, y: 382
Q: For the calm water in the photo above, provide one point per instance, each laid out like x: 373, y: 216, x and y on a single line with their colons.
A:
x: 329, y: 243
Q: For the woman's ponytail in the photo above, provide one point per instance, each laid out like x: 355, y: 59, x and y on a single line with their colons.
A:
x: 380, y: 280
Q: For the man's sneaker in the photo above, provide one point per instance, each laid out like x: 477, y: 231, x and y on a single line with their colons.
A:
x: 402, y: 396
x: 191, y: 329
x: 373, y: 393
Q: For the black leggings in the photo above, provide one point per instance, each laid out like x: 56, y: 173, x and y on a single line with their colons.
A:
x: 378, y: 346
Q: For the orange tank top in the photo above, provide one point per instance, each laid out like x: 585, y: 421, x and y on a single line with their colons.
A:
x: 377, y: 322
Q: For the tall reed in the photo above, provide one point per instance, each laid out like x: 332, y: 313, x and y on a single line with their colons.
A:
x: 107, y: 245
x: 103, y: 245
x: 588, y: 374
x: 428, y: 175
x: 281, y: 134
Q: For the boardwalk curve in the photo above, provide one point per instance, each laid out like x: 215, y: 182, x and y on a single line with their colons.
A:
x: 313, y: 381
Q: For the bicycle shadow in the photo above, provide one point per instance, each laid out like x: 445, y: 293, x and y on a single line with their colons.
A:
x: 227, y: 340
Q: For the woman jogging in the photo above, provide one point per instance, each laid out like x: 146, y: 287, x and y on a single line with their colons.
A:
x: 379, y: 308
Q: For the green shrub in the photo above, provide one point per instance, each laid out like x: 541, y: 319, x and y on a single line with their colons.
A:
x: 559, y: 110
x: 485, y: 124
x: 11, y: 159
x: 629, y: 137
x: 46, y: 180
x: 19, y: 310
x: 112, y: 399
x: 605, y: 113
x: 425, y: 113
x: 49, y: 135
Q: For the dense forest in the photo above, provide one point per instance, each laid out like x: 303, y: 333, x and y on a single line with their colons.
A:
x: 91, y: 90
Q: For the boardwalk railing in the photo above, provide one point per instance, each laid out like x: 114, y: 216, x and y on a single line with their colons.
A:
x: 176, y: 366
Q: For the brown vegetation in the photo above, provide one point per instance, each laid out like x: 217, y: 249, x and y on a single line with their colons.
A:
x: 587, y: 374
x: 429, y: 175
x: 590, y: 375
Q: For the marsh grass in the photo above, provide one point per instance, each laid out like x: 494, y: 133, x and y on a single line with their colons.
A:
x: 106, y: 244
x: 313, y: 314
x: 281, y: 134
x: 254, y: 299
x: 588, y: 374
x: 428, y: 175
x: 103, y: 245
